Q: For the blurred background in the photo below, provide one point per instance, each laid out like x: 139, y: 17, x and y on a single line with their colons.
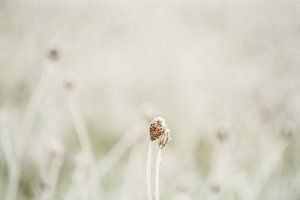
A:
x: 81, y: 81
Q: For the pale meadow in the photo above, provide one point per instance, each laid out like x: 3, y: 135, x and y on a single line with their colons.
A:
x: 80, y: 82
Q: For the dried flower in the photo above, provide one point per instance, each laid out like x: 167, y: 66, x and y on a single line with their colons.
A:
x: 158, y: 130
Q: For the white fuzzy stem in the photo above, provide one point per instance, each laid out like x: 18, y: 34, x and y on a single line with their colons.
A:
x: 52, y: 178
x: 157, y: 168
x: 33, y: 108
x: 148, y: 172
x: 84, y: 141
x: 79, y: 124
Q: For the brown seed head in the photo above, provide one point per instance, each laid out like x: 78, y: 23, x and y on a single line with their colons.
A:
x: 157, y: 128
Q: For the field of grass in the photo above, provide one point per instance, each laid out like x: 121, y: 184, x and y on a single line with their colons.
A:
x: 80, y: 83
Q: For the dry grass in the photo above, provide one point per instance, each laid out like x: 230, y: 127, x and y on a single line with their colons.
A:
x: 81, y: 81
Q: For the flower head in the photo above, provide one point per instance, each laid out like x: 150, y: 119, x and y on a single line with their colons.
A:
x: 158, y: 130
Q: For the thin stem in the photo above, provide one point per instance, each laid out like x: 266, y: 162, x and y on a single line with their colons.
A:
x: 79, y: 124
x: 33, y: 108
x: 157, y: 169
x: 148, y: 172
x: 26, y: 127
x: 52, y: 177
x: 120, y: 148
x: 84, y: 140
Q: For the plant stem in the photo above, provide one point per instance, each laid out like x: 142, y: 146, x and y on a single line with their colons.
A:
x: 157, y: 168
x: 148, y: 172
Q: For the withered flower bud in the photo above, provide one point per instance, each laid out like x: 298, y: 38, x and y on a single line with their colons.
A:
x: 158, y: 130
